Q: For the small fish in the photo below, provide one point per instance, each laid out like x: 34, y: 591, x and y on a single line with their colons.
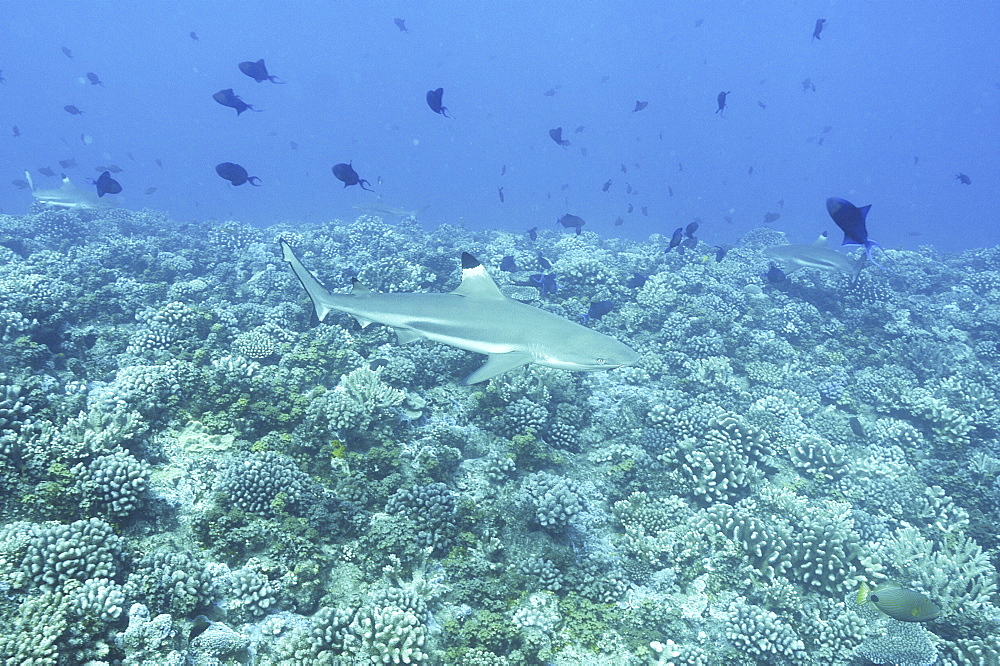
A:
x: 852, y: 221
x: 691, y: 228
x: 159, y: 162
x: 827, y: 128
x: 544, y: 282
x: 857, y: 428
x: 193, y: 35
x: 639, y: 106
x: 500, y: 192
x: 67, y: 52
x: 637, y: 281
x: 507, y: 264
x: 72, y: 110
x: 434, y: 100
x: 86, y: 139
x: 628, y: 188
x: 578, y: 129
x: 619, y: 221
x: 774, y: 275
x: 107, y: 185
x: 503, y: 170
x: 543, y: 263
x: 644, y: 210
x: 819, y: 28
x: 556, y: 135
x: 761, y: 104
x: 771, y: 217
x: 258, y: 71
x: 572, y: 221
x: 750, y: 170
x: 94, y: 79
x: 236, y: 174
x: 670, y: 190
x: 68, y: 164
x: 346, y: 174
x: 597, y: 310
x: 550, y: 92
x: 150, y: 190
x: 630, y: 208
x: 114, y: 168
x: 721, y: 251
x: 675, y: 239
x: 728, y: 219
x: 46, y: 171
x: 401, y: 24
x: 962, y: 178
x: 16, y: 130
x: 533, y: 233
x: 20, y: 184
x: 228, y: 98
x: 721, y: 100
x: 606, y: 186
x: 808, y: 85
x: 899, y: 603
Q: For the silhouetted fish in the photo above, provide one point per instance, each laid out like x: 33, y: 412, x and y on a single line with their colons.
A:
x: 550, y: 92
x: 774, y: 275
x: 94, y: 79
x: 67, y: 52
x: 293, y: 145
x: 761, y: 104
x: 721, y: 99
x: 507, y: 264
x: 579, y: 128
x: 46, y: 171
x: 619, y: 221
x: 606, y: 186
x: 808, y: 85
x: 544, y: 282
x: 852, y: 221
x: 107, y: 185
x: 16, y: 130
x: 644, y: 210
x: 819, y: 28
x: 86, y: 139
x: 630, y: 208
x: 150, y: 190
x: 20, y: 183
x: 500, y: 192
x: 856, y: 427
x: 556, y: 135
x: 258, y: 71
x: 572, y: 221
x: 236, y: 174
x: 721, y: 251
x: 637, y: 281
x: 68, y: 164
x: 543, y: 263
x: 597, y: 310
x: 159, y: 162
x: 691, y: 228
x: 962, y: 178
x: 503, y: 169
x: 401, y: 24
x: 675, y: 238
x: 114, y: 168
x: 193, y: 35
x: 670, y: 190
x: 533, y: 233
x: 72, y: 110
x: 346, y: 174
x: 771, y: 217
x: 228, y: 98
x: 435, y: 101
x: 639, y: 106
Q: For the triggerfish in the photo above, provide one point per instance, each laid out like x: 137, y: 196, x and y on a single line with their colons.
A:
x: 851, y: 221
x: 898, y: 602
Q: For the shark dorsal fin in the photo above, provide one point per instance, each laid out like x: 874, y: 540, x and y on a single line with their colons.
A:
x: 821, y: 241
x: 358, y: 288
x: 476, y: 282
x: 67, y: 183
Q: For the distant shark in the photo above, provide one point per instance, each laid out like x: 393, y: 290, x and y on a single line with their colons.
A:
x: 476, y: 317
x: 386, y: 211
x: 818, y: 256
x: 68, y: 197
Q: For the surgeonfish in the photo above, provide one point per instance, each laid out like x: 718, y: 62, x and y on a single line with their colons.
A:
x: 898, y: 602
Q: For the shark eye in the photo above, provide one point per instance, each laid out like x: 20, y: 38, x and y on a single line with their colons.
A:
x: 600, y: 361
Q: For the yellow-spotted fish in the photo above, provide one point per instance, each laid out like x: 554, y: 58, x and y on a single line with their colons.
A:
x: 898, y: 602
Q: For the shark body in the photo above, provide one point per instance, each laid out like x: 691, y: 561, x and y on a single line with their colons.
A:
x: 818, y: 256
x: 68, y: 197
x: 476, y: 317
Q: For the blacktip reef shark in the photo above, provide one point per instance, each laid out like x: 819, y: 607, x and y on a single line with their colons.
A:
x: 818, y: 256
x: 68, y: 197
x: 476, y: 317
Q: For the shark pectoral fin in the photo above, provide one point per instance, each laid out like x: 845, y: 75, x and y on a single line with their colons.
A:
x: 497, y: 364
x: 405, y: 336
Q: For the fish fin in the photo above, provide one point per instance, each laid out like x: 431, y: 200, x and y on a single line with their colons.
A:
x: 497, y: 364
x: 405, y: 336
x: 821, y: 241
x: 317, y: 293
x: 476, y: 282
x: 359, y: 289
x: 31, y: 183
x: 869, y: 244
x: 864, y: 211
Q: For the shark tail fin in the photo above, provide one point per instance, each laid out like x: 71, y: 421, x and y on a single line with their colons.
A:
x: 317, y: 294
x: 31, y: 183
x: 862, y: 260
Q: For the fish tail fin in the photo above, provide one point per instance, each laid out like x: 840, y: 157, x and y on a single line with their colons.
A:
x: 862, y: 260
x: 869, y: 246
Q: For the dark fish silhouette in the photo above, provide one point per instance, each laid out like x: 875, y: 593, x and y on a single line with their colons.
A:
x: 619, y: 221
x: 630, y: 208
x: 193, y: 35
x: 637, y: 281
x: 236, y: 174
x: 597, y: 310
x: 533, y: 233
x: 857, y: 428
x: 94, y: 79
x: 675, y: 238
x: 544, y: 282
x: 851, y: 221
x: 721, y: 251
x: 46, y: 171
x: 346, y: 174
x: 771, y: 217
x: 500, y: 192
x: 401, y: 24
x: 670, y: 190
x: 503, y: 169
x: 819, y: 28
x: 20, y: 184
x: 507, y: 264
x: 159, y: 162
x: 228, y: 98
x: 774, y: 275
x: 761, y: 104
x: 690, y: 229
x: 644, y: 210
x: 150, y: 190
x: 579, y: 129
x: 624, y: 169
x: 68, y: 164
x: 16, y: 130
x: 550, y: 92
x: 808, y: 85
x: 107, y: 185
x: 72, y: 110
x: 67, y: 52
x: 434, y: 100
x: 556, y: 135
x: 721, y: 99
x: 639, y: 106
x: 962, y: 178
x: 606, y: 186
x: 572, y: 221
x: 293, y: 145
x: 543, y: 263
x: 258, y: 71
